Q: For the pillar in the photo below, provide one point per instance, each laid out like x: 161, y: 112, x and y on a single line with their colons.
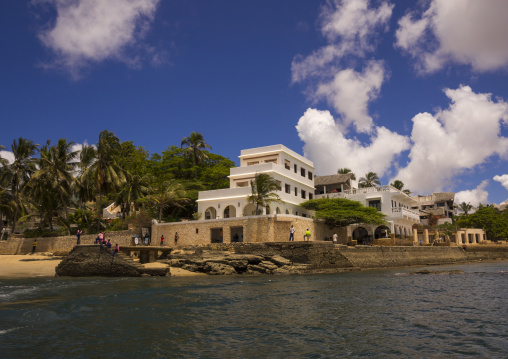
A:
x: 415, y: 237
x: 425, y: 236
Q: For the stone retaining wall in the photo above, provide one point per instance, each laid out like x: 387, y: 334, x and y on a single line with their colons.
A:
x: 61, y: 244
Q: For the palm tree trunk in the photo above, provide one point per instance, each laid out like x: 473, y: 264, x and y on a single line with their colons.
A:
x: 99, y: 210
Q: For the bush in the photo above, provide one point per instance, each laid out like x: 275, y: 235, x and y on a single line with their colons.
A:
x: 117, y: 225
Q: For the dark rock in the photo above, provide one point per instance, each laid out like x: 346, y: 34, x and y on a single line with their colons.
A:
x: 426, y: 271
x: 86, y: 261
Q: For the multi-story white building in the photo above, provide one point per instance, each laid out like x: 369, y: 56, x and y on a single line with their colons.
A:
x: 293, y: 173
x: 395, y: 204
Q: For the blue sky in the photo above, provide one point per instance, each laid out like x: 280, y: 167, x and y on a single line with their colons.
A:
x: 411, y: 90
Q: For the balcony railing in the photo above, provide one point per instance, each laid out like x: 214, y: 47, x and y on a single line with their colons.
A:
x: 406, y: 212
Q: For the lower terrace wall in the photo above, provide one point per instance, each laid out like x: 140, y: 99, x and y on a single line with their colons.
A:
x: 255, y: 229
x: 60, y: 244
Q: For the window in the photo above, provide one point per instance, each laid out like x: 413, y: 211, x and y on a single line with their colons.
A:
x: 271, y: 161
x: 310, y: 196
x: 252, y: 163
x: 310, y: 174
x: 288, y: 188
x: 303, y: 194
x: 296, y: 191
x: 302, y: 171
x: 279, y: 185
x: 242, y: 184
x: 287, y: 164
x: 376, y: 203
x: 296, y: 168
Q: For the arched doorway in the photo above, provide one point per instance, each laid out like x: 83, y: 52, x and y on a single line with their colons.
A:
x: 229, y: 212
x: 381, y: 232
x: 210, y: 213
x: 249, y: 210
x: 268, y: 210
x: 287, y: 211
x: 278, y: 210
x: 361, y: 235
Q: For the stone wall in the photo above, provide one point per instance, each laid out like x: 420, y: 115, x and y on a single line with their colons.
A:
x: 325, y: 255
x: 60, y: 244
x: 255, y: 229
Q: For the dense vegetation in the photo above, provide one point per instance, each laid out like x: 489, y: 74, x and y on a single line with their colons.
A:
x: 53, y: 186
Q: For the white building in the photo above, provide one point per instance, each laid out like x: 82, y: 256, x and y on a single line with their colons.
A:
x: 395, y: 204
x: 293, y: 173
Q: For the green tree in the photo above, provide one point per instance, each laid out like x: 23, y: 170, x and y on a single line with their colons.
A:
x: 263, y: 191
x: 105, y: 172
x: 341, y: 212
x: 491, y: 220
x: 57, y: 166
x: 167, y: 193
x: 343, y: 171
x: 397, y: 184
x: 465, y: 207
x: 195, y: 144
x: 371, y: 179
x: 135, y: 188
x: 19, y: 172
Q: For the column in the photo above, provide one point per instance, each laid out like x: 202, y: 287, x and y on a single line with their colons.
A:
x: 425, y: 236
x: 415, y: 237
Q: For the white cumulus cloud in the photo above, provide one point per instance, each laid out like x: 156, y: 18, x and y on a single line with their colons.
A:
x: 503, y: 180
x: 460, y: 137
x: 8, y: 155
x: 469, y: 32
x: 350, y: 93
x: 90, y: 31
x: 474, y: 196
x: 329, y: 149
x: 351, y: 27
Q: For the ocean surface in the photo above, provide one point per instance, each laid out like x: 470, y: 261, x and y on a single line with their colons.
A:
x: 368, y: 314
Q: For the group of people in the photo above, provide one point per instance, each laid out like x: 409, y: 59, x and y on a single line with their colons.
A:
x: 306, y: 235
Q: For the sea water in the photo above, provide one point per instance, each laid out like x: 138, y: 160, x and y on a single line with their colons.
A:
x: 368, y: 314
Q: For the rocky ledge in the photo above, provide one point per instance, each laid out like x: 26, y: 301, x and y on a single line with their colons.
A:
x: 225, y: 263
x: 92, y: 260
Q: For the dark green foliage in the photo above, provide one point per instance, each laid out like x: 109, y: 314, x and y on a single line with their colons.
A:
x: 491, y: 220
x: 341, y: 212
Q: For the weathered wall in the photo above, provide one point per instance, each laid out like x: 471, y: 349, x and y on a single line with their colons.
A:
x: 256, y: 229
x: 58, y: 244
x: 325, y: 255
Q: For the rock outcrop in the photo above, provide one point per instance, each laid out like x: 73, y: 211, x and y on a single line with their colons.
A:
x: 92, y: 260
x: 224, y: 263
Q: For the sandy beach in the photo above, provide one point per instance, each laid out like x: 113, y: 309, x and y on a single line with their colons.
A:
x: 25, y: 266
x: 37, y: 265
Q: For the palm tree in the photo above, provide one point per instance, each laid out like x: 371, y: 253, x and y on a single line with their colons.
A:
x: 19, y: 172
x: 135, y: 188
x: 168, y: 192
x: 371, y: 179
x: 105, y: 172
x: 57, y: 166
x: 343, y: 171
x: 195, y: 144
x: 465, y: 207
x: 83, y: 185
x: 263, y: 191
x: 397, y: 184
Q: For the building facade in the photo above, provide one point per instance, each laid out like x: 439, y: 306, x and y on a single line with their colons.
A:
x: 294, y: 175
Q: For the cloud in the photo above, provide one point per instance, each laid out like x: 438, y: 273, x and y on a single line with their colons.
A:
x: 474, y: 196
x: 350, y: 27
x: 468, y: 32
x: 350, y: 92
x: 91, y: 31
x: 329, y: 149
x: 8, y: 155
x: 458, y: 138
x: 503, y: 180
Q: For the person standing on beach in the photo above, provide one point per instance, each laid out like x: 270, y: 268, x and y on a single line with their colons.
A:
x: 162, y: 240
x: 335, y: 238
x: 292, y: 234
x: 176, y: 238
x: 34, y: 245
x: 307, y: 235
x: 78, y: 235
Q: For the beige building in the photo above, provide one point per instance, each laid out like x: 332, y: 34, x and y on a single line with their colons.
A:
x: 439, y: 204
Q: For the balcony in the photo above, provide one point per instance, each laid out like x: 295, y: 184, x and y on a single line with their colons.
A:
x: 224, y: 193
x: 402, y: 212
